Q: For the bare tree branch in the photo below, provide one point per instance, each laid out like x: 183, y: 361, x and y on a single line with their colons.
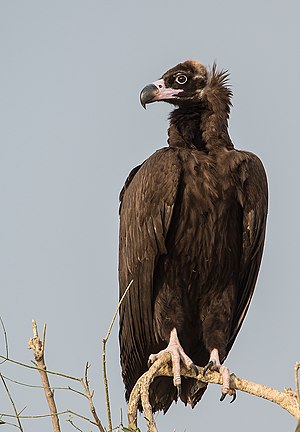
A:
x: 39, y: 416
x: 287, y: 399
x: 73, y: 424
x: 5, y: 340
x: 89, y: 395
x: 38, y: 346
x: 13, y: 404
x: 36, y: 368
x: 104, y: 341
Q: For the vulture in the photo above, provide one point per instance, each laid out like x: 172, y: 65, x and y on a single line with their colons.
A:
x: 192, y: 229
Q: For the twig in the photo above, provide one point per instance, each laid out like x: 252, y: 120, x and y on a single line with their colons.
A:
x: 38, y: 347
x: 74, y: 426
x: 38, y: 369
x: 78, y: 392
x: 13, y: 404
x: 89, y: 395
x: 5, y: 339
x: 39, y: 416
x: 286, y: 399
x: 9, y: 424
x: 104, y: 341
x: 34, y: 386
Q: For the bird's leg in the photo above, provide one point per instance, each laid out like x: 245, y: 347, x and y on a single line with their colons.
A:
x: 177, y: 354
x: 215, y: 365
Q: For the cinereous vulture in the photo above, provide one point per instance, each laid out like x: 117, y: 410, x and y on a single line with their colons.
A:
x: 192, y: 229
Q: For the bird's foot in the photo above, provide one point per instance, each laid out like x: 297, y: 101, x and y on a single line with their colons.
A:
x: 177, y: 355
x: 215, y: 365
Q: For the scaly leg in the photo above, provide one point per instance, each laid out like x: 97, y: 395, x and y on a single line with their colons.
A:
x: 215, y: 365
x: 177, y: 354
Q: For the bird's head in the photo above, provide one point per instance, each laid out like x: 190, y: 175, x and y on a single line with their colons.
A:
x: 181, y: 85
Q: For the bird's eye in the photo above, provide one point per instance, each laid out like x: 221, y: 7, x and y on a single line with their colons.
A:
x: 181, y: 79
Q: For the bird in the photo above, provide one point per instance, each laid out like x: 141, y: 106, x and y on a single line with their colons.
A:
x: 192, y: 229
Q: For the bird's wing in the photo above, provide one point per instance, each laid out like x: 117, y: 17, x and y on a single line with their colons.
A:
x: 147, y: 202
x: 253, y: 198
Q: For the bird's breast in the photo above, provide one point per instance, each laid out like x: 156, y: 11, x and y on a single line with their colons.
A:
x: 206, y: 229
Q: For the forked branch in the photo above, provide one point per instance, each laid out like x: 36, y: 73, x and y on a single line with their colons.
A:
x: 287, y: 399
x: 38, y: 346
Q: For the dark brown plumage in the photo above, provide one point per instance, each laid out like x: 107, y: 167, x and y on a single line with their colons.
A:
x: 192, y: 228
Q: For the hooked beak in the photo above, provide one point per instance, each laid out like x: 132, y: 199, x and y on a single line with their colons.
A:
x: 157, y: 91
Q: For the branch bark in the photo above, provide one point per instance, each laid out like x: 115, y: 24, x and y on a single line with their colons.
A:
x: 287, y: 399
x: 38, y: 346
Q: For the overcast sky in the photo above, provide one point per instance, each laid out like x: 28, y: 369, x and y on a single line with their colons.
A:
x: 71, y: 130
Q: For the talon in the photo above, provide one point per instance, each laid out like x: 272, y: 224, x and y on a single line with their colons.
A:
x: 178, y: 386
x: 208, y: 366
x: 151, y: 360
x: 223, y: 396
x: 233, y: 397
x: 194, y: 368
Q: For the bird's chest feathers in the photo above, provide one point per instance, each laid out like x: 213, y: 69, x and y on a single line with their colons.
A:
x: 206, y: 183
x: 206, y: 211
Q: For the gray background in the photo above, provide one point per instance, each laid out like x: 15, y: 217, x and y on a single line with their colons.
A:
x: 71, y: 130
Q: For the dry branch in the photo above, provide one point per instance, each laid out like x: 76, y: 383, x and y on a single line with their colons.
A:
x: 287, y: 399
x: 38, y: 346
x: 104, y: 342
x: 17, y: 416
x: 89, y: 395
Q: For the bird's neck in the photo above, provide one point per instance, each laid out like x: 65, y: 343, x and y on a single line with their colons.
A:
x: 199, y: 127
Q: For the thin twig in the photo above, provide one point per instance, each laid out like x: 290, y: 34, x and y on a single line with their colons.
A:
x: 38, y: 369
x: 13, y: 404
x: 89, y: 395
x: 74, y: 426
x: 78, y: 392
x: 39, y: 416
x: 5, y: 339
x: 38, y: 347
x: 34, y: 386
x: 22, y: 410
x: 116, y: 311
x: 104, y: 342
x: 9, y: 424
x: 106, y: 385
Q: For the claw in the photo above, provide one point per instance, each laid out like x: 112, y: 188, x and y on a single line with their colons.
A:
x: 151, y: 360
x: 178, y: 386
x: 233, y: 397
x: 208, y: 367
x: 194, y: 368
x: 215, y: 365
x: 223, y: 396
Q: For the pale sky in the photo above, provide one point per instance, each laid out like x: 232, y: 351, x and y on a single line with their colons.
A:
x: 71, y: 130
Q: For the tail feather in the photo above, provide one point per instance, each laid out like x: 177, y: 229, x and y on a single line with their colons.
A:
x: 163, y: 393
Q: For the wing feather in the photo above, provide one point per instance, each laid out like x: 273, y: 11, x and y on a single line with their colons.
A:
x: 254, y: 201
x: 147, y: 203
